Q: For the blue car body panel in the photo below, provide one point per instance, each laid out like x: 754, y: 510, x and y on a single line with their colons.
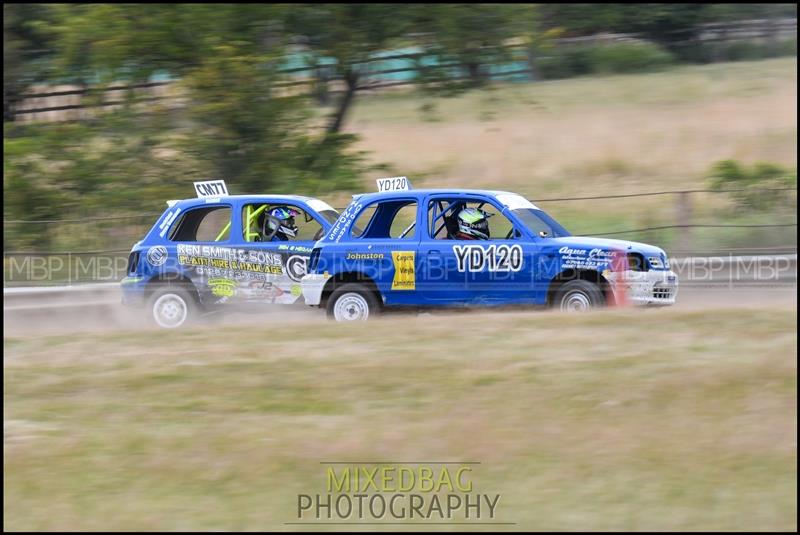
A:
x: 228, y: 270
x: 520, y: 269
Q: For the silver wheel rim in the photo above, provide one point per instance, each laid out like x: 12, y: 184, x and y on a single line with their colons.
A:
x: 170, y: 311
x: 576, y: 302
x: 351, y: 307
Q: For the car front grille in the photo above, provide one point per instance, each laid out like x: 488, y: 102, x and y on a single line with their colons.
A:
x: 662, y: 292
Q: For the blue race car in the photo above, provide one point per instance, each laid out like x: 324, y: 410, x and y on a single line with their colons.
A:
x: 456, y: 247
x: 219, y: 249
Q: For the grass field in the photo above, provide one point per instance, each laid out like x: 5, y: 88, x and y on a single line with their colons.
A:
x: 599, y: 136
x: 624, y: 420
x: 638, y: 131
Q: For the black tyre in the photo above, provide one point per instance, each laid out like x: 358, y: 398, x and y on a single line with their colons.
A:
x: 171, y: 307
x: 352, y: 302
x: 578, y: 296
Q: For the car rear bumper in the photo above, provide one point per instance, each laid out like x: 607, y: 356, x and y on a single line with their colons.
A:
x: 312, y: 286
x: 133, y: 291
x: 644, y: 288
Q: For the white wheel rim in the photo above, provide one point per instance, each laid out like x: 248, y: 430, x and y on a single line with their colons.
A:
x: 351, y: 307
x: 170, y: 311
x: 576, y: 302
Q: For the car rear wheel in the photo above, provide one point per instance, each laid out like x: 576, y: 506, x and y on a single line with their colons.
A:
x: 578, y: 296
x: 352, y: 302
x: 171, y: 307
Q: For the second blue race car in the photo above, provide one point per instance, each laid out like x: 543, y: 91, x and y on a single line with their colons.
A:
x: 208, y: 252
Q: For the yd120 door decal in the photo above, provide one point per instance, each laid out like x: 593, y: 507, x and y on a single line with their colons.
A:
x: 492, y: 258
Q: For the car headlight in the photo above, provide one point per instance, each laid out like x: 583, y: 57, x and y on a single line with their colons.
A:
x: 655, y: 262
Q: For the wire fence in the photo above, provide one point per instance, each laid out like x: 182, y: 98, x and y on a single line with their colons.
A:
x: 554, y: 199
x: 723, y: 229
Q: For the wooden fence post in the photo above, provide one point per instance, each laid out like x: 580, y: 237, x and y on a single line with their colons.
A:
x: 683, y: 214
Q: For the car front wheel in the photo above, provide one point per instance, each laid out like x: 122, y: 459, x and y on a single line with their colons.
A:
x: 578, y: 296
x: 352, y: 302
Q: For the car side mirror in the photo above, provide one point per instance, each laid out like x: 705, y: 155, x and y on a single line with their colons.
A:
x: 543, y: 234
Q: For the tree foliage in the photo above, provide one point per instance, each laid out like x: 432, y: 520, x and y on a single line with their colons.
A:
x: 350, y: 34
x: 762, y: 186
x: 235, y: 124
x: 664, y: 23
x: 27, y: 39
x: 238, y: 121
x: 461, y: 42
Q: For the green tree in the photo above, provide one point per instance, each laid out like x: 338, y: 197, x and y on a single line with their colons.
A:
x: 227, y: 59
x: 663, y: 23
x: 350, y: 34
x: 27, y: 43
x: 473, y: 36
x: 761, y: 187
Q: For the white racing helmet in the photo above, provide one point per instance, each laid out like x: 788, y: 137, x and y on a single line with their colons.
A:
x: 473, y: 224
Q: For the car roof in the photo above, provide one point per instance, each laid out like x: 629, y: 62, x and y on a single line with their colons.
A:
x: 369, y: 197
x: 258, y: 197
x: 265, y: 197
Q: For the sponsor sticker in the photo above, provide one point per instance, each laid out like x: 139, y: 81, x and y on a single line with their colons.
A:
x: 168, y: 221
x: 404, y: 275
x: 223, y: 287
x: 296, y: 267
x: 585, y: 258
x: 156, y: 255
x: 364, y: 256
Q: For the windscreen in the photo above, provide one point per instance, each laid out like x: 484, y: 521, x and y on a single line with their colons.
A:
x: 540, y: 223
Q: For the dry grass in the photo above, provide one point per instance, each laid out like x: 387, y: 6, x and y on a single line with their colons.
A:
x: 639, y: 132
x: 616, y: 420
x: 597, y: 136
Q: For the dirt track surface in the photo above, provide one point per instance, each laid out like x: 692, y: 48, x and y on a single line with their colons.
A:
x: 118, y: 317
x: 671, y: 419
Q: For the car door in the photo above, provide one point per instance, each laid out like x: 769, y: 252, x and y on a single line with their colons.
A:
x: 383, y: 245
x: 273, y: 268
x: 495, y: 271
x: 440, y: 280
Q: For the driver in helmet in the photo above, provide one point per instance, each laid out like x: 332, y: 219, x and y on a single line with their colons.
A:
x: 283, y: 218
x: 473, y: 224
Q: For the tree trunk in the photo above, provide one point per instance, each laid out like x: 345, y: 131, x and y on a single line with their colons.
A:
x: 11, y: 97
x: 321, y: 86
x: 351, y: 78
x: 8, y: 111
x: 476, y: 75
x: 533, y: 63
